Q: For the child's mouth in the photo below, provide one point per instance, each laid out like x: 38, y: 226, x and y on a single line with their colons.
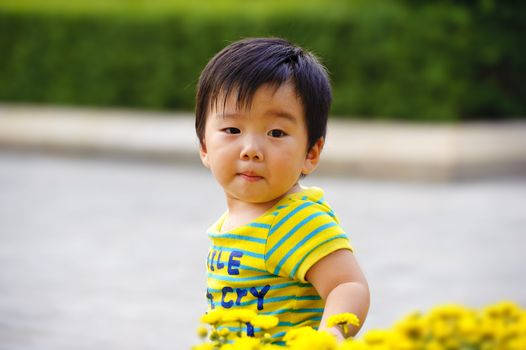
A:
x: 251, y: 177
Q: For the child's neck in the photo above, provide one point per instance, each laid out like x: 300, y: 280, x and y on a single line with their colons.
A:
x: 241, y: 213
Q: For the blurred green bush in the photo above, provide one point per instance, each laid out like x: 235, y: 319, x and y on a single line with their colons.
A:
x: 389, y: 59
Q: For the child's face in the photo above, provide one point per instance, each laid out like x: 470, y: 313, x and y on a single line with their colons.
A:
x: 258, y: 154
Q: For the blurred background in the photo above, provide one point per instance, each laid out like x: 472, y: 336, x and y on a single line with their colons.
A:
x: 403, y: 59
x: 104, y: 205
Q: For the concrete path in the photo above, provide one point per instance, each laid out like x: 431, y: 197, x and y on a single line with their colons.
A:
x: 110, y: 254
x: 371, y: 150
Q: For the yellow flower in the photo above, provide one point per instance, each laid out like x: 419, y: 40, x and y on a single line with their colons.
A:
x: 448, y: 312
x: 343, y: 319
x: 451, y: 343
x: 501, y: 326
x: 442, y: 329
x: 402, y: 343
x: 469, y: 329
x: 267, y: 339
x: 434, y: 345
x: 223, y: 332
x: 352, y: 344
x: 214, y: 335
x: 517, y: 344
x: 247, y: 343
x: 239, y: 315
x: 213, y: 317
x: 314, y: 341
x: 522, y: 320
x: 412, y: 326
x: 202, y: 332
x: 264, y: 322
x: 487, y: 330
x: 272, y: 347
x: 297, y: 333
x: 377, y: 337
x: 506, y: 310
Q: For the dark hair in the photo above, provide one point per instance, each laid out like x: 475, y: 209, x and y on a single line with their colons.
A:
x: 245, y: 65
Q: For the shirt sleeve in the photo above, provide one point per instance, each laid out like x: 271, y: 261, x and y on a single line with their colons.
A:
x: 301, y: 235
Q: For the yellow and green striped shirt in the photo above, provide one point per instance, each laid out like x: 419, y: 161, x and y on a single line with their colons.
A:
x: 262, y: 265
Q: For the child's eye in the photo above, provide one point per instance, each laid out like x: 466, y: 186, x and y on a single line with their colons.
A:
x: 276, y: 133
x: 232, y: 130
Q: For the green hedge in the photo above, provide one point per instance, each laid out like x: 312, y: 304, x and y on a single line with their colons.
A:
x: 388, y: 59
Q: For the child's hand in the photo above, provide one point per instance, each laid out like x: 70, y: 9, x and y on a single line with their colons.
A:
x: 344, y: 290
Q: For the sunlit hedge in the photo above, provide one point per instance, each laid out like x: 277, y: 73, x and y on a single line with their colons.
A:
x: 501, y: 326
x: 402, y: 59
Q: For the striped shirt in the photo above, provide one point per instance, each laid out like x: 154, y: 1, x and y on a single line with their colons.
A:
x: 262, y: 265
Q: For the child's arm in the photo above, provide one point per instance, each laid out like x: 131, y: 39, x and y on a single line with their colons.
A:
x: 341, y: 283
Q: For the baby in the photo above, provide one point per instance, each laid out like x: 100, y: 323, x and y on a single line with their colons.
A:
x: 261, y: 115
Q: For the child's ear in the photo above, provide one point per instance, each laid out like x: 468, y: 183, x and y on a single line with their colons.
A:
x: 204, y: 154
x: 313, y: 157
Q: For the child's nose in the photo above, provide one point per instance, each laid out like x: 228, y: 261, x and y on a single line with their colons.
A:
x: 251, y: 150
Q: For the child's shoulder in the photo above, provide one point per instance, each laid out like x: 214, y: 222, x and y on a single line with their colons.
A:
x: 304, y: 203
x: 312, y: 194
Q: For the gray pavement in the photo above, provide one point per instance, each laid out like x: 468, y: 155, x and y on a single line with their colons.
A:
x: 427, y: 152
x: 107, y: 253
